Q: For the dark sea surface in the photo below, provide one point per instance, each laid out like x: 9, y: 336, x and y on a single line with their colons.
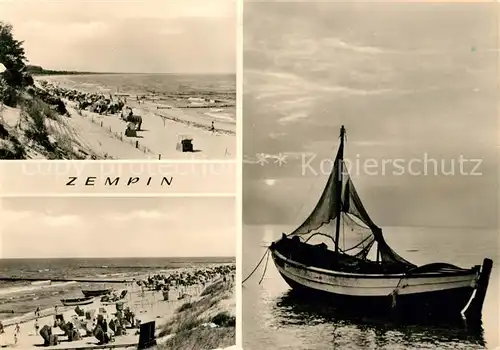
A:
x: 24, y: 297
x: 273, y: 319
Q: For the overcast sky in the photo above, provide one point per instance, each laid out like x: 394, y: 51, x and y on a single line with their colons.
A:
x: 408, y: 80
x: 146, y: 36
x: 117, y: 227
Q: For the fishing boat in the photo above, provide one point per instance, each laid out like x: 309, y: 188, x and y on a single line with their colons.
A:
x: 77, y: 301
x: 360, y: 269
x: 96, y: 292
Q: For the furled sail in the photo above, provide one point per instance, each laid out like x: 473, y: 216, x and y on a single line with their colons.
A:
x: 326, y: 208
x: 362, y: 230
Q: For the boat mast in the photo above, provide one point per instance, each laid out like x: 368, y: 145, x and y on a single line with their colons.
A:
x: 340, y: 169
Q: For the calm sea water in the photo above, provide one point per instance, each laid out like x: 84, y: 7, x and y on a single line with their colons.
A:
x: 215, y: 85
x: 272, y: 319
x: 23, y: 297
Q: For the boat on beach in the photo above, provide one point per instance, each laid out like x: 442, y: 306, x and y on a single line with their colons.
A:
x: 96, y: 292
x: 357, y: 268
x: 77, y: 301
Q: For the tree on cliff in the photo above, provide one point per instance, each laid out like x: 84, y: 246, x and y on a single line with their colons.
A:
x: 13, y: 57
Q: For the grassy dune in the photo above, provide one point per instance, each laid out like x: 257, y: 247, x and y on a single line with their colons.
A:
x: 25, y: 132
x: 206, y: 323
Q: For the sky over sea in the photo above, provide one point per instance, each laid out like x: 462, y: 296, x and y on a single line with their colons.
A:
x: 409, y: 80
x: 147, y: 36
x: 107, y: 227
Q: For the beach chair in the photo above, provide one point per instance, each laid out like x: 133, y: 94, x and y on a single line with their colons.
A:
x: 131, y: 131
x: 119, y: 306
x: 184, y: 143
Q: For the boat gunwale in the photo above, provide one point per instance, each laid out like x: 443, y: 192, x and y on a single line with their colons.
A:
x: 97, y: 292
x: 77, y: 299
x: 398, y: 276
x: 81, y: 303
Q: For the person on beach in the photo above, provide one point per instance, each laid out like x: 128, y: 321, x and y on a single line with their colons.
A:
x: 37, y: 312
x: 17, y: 331
x: 212, y: 128
x: 36, y: 326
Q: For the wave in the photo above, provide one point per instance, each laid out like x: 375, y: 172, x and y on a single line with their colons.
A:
x: 39, y: 283
x: 30, y: 288
x: 221, y: 116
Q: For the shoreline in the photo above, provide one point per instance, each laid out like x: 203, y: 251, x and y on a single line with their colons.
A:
x: 57, y: 288
x: 167, y: 103
x: 146, y: 302
x: 70, y: 132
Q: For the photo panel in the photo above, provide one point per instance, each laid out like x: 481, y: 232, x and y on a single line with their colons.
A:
x: 121, y: 80
x: 130, y: 271
x: 370, y: 175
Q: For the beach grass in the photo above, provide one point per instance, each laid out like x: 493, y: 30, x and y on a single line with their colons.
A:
x: 36, y: 112
x: 33, y: 134
x: 52, y: 144
x: 203, y: 323
x: 203, y: 338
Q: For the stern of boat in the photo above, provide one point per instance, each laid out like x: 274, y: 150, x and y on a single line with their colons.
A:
x: 474, y: 307
x: 477, y: 270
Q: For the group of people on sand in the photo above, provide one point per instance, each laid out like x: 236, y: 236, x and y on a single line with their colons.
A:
x: 125, y: 318
x: 100, y: 103
x: 17, y: 331
x: 17, y: 326
x: 183, y: 279
x: 94, y: 102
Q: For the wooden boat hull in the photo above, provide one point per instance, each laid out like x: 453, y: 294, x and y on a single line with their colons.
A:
x: 97, y: 292
x: 427, y: 292
x: 77, y: 302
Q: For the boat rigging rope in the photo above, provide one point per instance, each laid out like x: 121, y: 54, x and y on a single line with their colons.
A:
x: 395, y: 292
x: 256, y: 267
x: 265, y: 268
x: 343, y: 234
x: 411, y: 271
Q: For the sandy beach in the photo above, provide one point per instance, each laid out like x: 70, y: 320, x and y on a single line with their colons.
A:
x: 85, y: 134
x: 165, y: 120
x: 168, y: 277
x: 147, y: 305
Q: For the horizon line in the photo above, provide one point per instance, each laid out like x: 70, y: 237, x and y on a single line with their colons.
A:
x: 126, y: 257
x: 394, y: 226
x: 77, y: 72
